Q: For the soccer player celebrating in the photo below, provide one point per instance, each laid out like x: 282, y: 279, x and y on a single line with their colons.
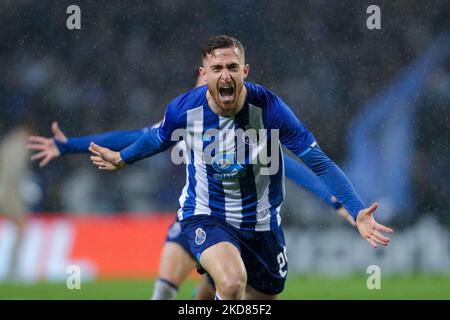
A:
x: 229, y: 211
x: 176, y: 261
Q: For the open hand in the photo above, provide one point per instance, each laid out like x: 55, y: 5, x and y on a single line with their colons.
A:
x: 105, y: 159
x: 370, y: 229
x: 46, y: 146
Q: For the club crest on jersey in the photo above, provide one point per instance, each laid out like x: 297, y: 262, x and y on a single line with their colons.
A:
x: 200, y: 236
x: 226, y: 166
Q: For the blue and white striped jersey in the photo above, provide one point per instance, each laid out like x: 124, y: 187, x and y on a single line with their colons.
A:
x: 227, y: 174
x: 231, y: 185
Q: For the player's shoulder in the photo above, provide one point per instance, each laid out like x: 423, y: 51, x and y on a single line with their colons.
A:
x: 260, y: 96
x: 189, y: 100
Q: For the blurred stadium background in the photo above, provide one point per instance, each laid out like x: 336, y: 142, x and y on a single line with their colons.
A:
x: 376, y: 100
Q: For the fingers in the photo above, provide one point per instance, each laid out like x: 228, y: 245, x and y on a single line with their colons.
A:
x: 103, y: 165
x: 378, y: 235
x: 100, y: 163
x: 36, y: 147
x: 376, y: 238
x: 380, y: 227
x: 372, y: 242
x: 372, y: 208
x: 58, y: 134
x: 55, y: 128
x: 379, y: 238
x: 95, y: 149
x: 96, y: 160
x: 38, y: 155
x: 366, y: 214
x: 38, y: 139
x: 44, y: 162
x: 370, y: 229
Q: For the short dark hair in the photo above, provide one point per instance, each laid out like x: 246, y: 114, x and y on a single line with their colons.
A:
x: 221, y: 41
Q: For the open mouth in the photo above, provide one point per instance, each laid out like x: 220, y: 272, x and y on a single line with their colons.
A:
x: 226, y: 92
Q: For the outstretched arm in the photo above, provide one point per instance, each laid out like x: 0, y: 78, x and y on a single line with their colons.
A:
x: 305, y: 178
x: 339, y: 185
x: 146, y: 146
x: 47, y: 148
x: 151, y: 142
x: 297, y: 138
x: 52, y: 148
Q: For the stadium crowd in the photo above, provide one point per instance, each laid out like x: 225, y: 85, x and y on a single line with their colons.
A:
x: 120, y: 70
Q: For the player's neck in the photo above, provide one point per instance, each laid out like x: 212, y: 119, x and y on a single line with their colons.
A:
x: 227, y: 113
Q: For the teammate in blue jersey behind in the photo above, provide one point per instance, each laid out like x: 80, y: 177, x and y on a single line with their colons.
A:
x: 229, y: 209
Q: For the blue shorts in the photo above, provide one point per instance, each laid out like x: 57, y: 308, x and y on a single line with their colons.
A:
x: 174, y: 234
x: 263, y: 252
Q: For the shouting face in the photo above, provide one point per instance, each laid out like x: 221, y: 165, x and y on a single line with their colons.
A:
x: 224, y: 72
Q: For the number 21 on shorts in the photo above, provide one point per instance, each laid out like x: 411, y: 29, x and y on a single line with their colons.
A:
x: 282, y: 260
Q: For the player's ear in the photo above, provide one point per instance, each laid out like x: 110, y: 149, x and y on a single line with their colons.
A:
x: 202, y: 73
x: 246, y: 70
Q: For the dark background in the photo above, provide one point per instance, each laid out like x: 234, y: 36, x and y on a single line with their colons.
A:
x: 130, y: 58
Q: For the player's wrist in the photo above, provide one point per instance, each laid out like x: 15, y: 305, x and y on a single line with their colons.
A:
x: 359, y: 216
x: 61, y: 147
x: 118, y: 162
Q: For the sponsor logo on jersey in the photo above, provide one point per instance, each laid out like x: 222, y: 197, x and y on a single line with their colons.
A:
x: 227, y: 167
